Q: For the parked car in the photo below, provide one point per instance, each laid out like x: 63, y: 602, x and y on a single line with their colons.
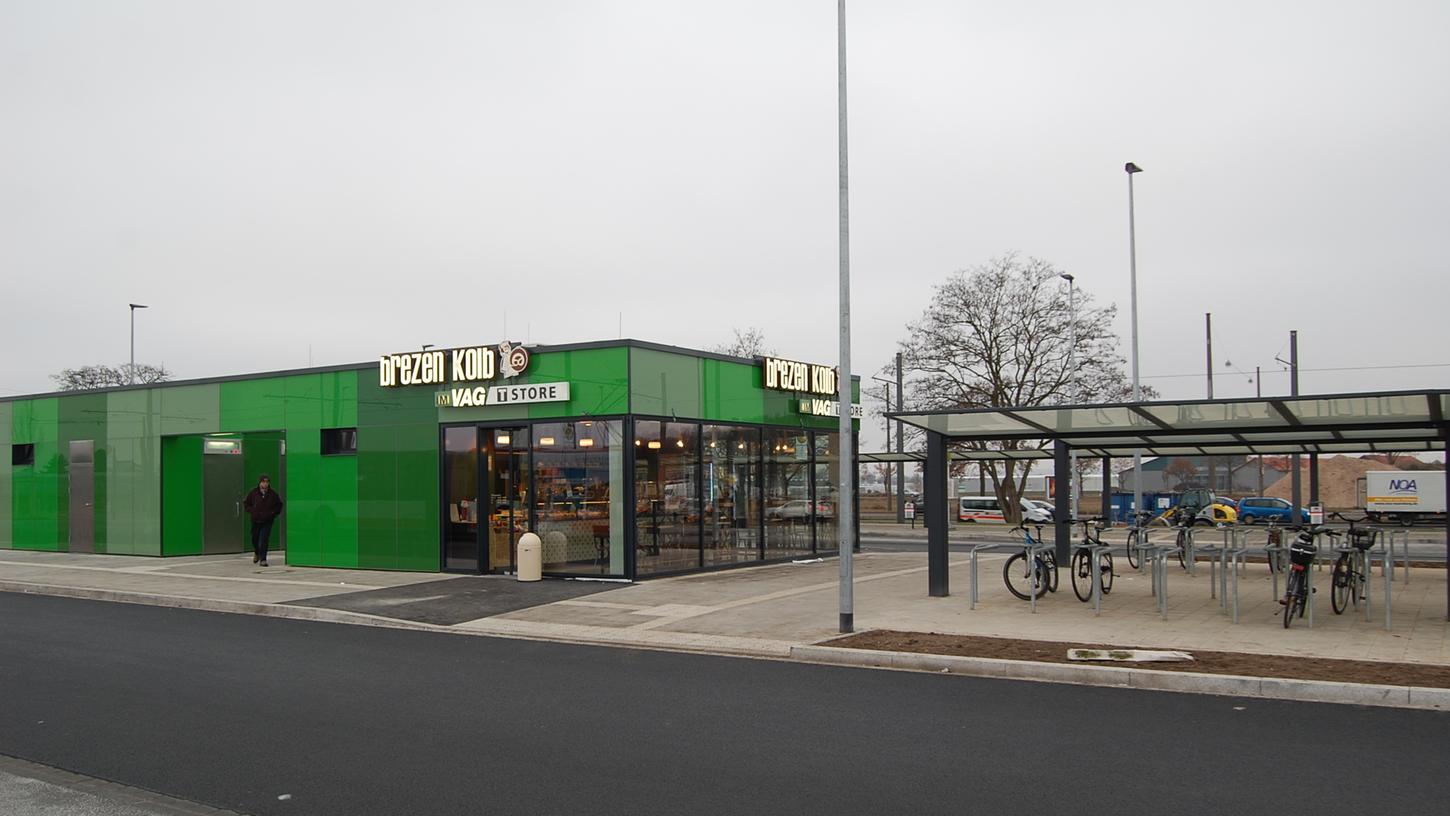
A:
x: 1262, y: 508
x: 797, y: 510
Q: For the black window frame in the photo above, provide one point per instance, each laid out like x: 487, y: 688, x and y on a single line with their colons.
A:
x: 22, y: 454
x: 339, y: 441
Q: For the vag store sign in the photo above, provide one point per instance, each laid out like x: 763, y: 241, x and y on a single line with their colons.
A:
x: 479, y: 396
x: 472, y: 364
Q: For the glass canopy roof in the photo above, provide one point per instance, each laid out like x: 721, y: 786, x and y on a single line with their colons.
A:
x: 1413, y: 420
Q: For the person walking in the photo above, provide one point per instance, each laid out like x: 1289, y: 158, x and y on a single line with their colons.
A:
x: 264, y: 505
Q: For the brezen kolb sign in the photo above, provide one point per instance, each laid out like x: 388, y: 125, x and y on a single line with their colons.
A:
x: 472, y: 364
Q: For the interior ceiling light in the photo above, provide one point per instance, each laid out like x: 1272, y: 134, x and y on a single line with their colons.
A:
x: 546, y: 440
x: 586, y: 443
x: 502, y: 439
x: 680, y: 443
x: 654, y: 444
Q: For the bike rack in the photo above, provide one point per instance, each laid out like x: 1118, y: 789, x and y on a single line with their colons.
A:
x: 989, y: 546
x: 1093, y: 551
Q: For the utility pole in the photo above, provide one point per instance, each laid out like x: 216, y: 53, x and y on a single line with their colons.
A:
x: 1259, y: 392
x: 1208, y: 347
x: 1131, y: 168
x: 900, y: 448
x: 845, y: 450
x: 131, y: 372
x: 1295, y: 480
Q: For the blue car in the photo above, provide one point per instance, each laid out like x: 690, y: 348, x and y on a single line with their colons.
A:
x: 1263, y: 508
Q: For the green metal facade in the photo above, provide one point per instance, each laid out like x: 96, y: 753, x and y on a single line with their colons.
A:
x: 377, y: 509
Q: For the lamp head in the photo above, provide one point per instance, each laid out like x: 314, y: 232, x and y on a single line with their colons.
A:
x: 1132, y: 168
x: 1067, y: 276
x: 137, y: 306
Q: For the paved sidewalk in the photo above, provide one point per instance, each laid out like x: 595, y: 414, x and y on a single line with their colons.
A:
x: 760, y: 611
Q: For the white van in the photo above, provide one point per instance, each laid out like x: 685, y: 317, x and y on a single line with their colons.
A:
x: 986, y: 509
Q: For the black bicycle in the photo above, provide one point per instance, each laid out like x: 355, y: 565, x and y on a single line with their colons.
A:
x: 1301, y: 558
x: 1272, y: 547
x: 1032, y: 572
x: 1136, y: 535
x: 1081, y: 566
x: 1351, y: 569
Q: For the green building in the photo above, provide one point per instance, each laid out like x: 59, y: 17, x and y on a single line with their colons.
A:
x: 628, y: 459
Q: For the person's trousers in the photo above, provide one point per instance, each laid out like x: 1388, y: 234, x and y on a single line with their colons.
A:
x: 261, y: 532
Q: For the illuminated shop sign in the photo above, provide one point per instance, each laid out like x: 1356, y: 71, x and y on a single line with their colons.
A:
x: 472, y: 364
x: 801, y: 378
x: 480, y: 395
x: 829, y: 408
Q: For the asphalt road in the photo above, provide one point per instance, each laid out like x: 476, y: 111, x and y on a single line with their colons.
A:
x: 236, y: 711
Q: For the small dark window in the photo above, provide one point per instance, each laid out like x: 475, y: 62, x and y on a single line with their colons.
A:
x: 21, y: 455
x: 339, y: 441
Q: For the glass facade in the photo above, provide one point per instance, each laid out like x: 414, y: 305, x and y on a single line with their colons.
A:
x: 731, y: 473
x: 578, y: 481
x: 788, y: 510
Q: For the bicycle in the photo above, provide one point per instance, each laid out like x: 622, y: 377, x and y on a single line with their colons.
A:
x: 1301, y: 558
x: 1028, y: 583
x: 1351, y: 569
x: 1137, y: 534
x: 1183, y: 522
x: 1081, y: 565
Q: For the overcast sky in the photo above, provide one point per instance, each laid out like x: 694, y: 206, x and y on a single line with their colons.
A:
x: 328, y: 181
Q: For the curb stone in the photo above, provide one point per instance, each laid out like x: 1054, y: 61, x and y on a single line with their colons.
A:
x: 1267, y: 688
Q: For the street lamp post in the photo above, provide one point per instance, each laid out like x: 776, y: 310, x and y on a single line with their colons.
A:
x: 1073, y: 491
x: 131, y: 371
x: 1132, y: 169
x: 845, y: 453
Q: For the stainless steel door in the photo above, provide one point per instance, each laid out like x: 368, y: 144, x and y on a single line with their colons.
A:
x: 82, y: 476
x: 223, y: 482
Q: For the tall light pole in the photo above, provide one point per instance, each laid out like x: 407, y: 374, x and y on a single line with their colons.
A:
x: 845, y: 454
x: 131, y: 372
x: 1071, y: 353
x: 1131, y: 169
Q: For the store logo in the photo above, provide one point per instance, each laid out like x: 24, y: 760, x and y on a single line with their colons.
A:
x: 789, y: 375
x: 471, y: 364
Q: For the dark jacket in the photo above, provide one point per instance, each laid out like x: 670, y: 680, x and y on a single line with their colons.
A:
x: 263, y: 508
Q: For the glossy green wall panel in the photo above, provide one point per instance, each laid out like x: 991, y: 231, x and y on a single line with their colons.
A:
x: 664, y: 384
x: 397, y: 478
x: 253, y: 405
x: 181, y: 499
x: 321, y: 509
x: 37, y: 501
x: 732, y: 392
x: 322, y: 400
x: 133, y: 473
x: 6, y: 534
x: 190, y: 409
x: 598, y: 382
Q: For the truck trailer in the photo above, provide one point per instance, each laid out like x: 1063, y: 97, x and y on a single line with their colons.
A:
x: 1404, y: 496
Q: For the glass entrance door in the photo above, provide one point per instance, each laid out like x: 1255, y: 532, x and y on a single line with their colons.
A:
x: 506, y: 477
x: 461, y: 510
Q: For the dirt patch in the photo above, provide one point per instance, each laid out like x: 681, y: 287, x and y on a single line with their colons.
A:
x: 1240, y: 663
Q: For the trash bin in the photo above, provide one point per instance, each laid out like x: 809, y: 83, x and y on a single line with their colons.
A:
x: 531, y: 558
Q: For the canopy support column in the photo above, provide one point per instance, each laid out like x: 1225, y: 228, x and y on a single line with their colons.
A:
x: 1107, y: 491
x: 1313, y: 479
x: 935, y: 493
x: 1062, y: 509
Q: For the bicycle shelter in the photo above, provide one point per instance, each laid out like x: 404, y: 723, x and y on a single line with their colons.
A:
x: 1388, y: 421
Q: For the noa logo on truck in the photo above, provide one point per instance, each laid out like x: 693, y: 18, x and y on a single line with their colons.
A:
x: 1403, y: 487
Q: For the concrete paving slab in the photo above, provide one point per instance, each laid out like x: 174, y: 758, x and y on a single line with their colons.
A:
x: 455, y: 600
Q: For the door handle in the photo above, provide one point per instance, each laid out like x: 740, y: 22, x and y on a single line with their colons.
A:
x: 238, y: 509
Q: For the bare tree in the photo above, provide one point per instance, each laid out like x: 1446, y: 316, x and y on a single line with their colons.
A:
x: 748, y: 343
x: 997, y: 336
x: 87, y: 378
x: 1183, y: 472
